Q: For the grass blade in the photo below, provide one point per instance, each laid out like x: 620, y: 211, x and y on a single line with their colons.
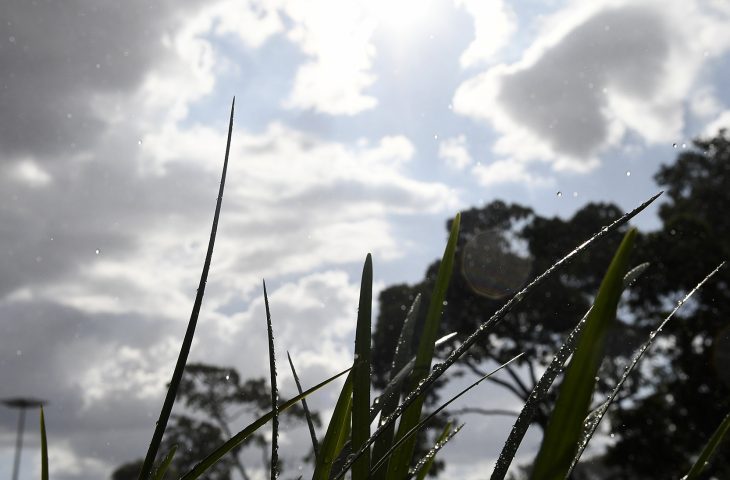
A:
x: 361, y: 373
x: 401, y: 459
x: 594, y: 419
x: 388, y: 400
x: 274, y: 392
x: 337, y: 433
x: 307, y: 414
x: 540, y: 390
x: 161, y: 424
x: 424, y: 465
x: 410, y: 434
x: 496, y: 318
x: 566, y: 423
x: 160, y: 472
x: 699, y: 465
x: 236, y: 440
x: 44, y: 448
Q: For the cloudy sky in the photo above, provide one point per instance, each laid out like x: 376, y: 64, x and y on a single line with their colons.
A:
x: 360, y: 127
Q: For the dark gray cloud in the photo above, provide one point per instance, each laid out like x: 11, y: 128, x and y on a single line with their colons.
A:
x: 562, y: 97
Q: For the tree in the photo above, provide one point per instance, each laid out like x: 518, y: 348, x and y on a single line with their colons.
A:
x: 214, y: 397
x: 501, y: 245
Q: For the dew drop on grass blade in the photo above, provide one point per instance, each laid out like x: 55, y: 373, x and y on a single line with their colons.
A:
x: 401, y: 460
x: 540, y: 390
x: 236, y: 440
x: 559, y: 443
x: 495, y: 319
x: 161, y: 424
x: 594, y: 418
x: 274, y: 392
x: 424, y: 465
x: 307, y: 413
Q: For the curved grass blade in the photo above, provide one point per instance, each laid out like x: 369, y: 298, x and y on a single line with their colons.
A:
x: 274, y: 392
x: 44, y: 448
x: 495, y: 319
x: 236, y: 440
x: 401, y: 459
x: 160, y: 472
x: 337, y: 432
x: 424, y: 465
x: 361, y: 372
x: 307, y: 414
x: 161, y: 424
x: 594, y: 418
x: 540, y: 390
x: 699, y: 465
x: 411, y: 433
x: 559, y: 443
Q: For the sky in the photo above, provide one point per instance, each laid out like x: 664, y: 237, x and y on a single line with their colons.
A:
x: 360, y: 127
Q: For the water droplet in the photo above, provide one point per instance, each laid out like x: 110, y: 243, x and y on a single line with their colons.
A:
x: 228, y: 377
x: 628, y: 173
x: 674, y: 145
x: 12, y: 39
x: 435, y: 137
x: 18, y: 352
x: 97, y: 251
x: 575, y: 194
x: 98, y: 66
x: 684, y: 145
x: 559, y: 194
x: 139, y: 142
x: 445, y: 302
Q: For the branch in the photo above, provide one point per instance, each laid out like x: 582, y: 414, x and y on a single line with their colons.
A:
x: 498, y: 381
x: 485, y: 411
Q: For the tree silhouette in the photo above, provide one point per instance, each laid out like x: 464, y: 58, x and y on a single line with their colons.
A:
x: 213, y: 398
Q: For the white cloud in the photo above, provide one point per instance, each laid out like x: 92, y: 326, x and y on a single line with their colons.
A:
x: 590, y: 77
x: 455, y: 152
x: 30, y: 173
x: 336, y: 35
x: 494, y: 24
x: 508, y: 171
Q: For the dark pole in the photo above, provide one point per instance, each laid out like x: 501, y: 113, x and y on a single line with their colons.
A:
x: 19, y: 443
x: 21, y: 404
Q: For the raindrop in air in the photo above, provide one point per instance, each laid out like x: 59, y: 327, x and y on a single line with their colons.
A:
x: 575, y: 194
x: 628, y: 173
x: 559, y: 194
x: 97, y: 251
x: 139, y: 142
x: 674, y: 145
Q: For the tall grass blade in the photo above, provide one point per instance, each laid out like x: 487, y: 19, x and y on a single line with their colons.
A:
x: 496, y: 318
x: 566, y: 423
x: 410, y: 434
x: 424, y: 465
x: 161, y: 424
x: 274, y: 392
x: 361, y: 372
x: 44, y: 448
x: 540, y: 390
x: 710, y: 447
x: 160, y: 472
x: 307, y: 414
x: 388, y: 400
x: 337, y: 432
x: 594, y: 419
x: 236, y: 440
x: 401, y: 459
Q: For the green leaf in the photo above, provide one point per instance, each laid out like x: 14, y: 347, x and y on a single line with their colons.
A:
x: 540, y: 390
x: 236, y: 440
x: 160, y: 473
x: 566, y: 423
x: 361, y: 373
x: 44, y: 448
x: 307, y: 414
x: 694, y: 472
x: 424, y: 465
x: 337, y: 432
x: 594, y: 418
x: 401, y: 459
x: 182, y: 358
x: 274, y: 392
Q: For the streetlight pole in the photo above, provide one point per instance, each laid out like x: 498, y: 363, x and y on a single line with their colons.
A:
x: 22, y: 404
